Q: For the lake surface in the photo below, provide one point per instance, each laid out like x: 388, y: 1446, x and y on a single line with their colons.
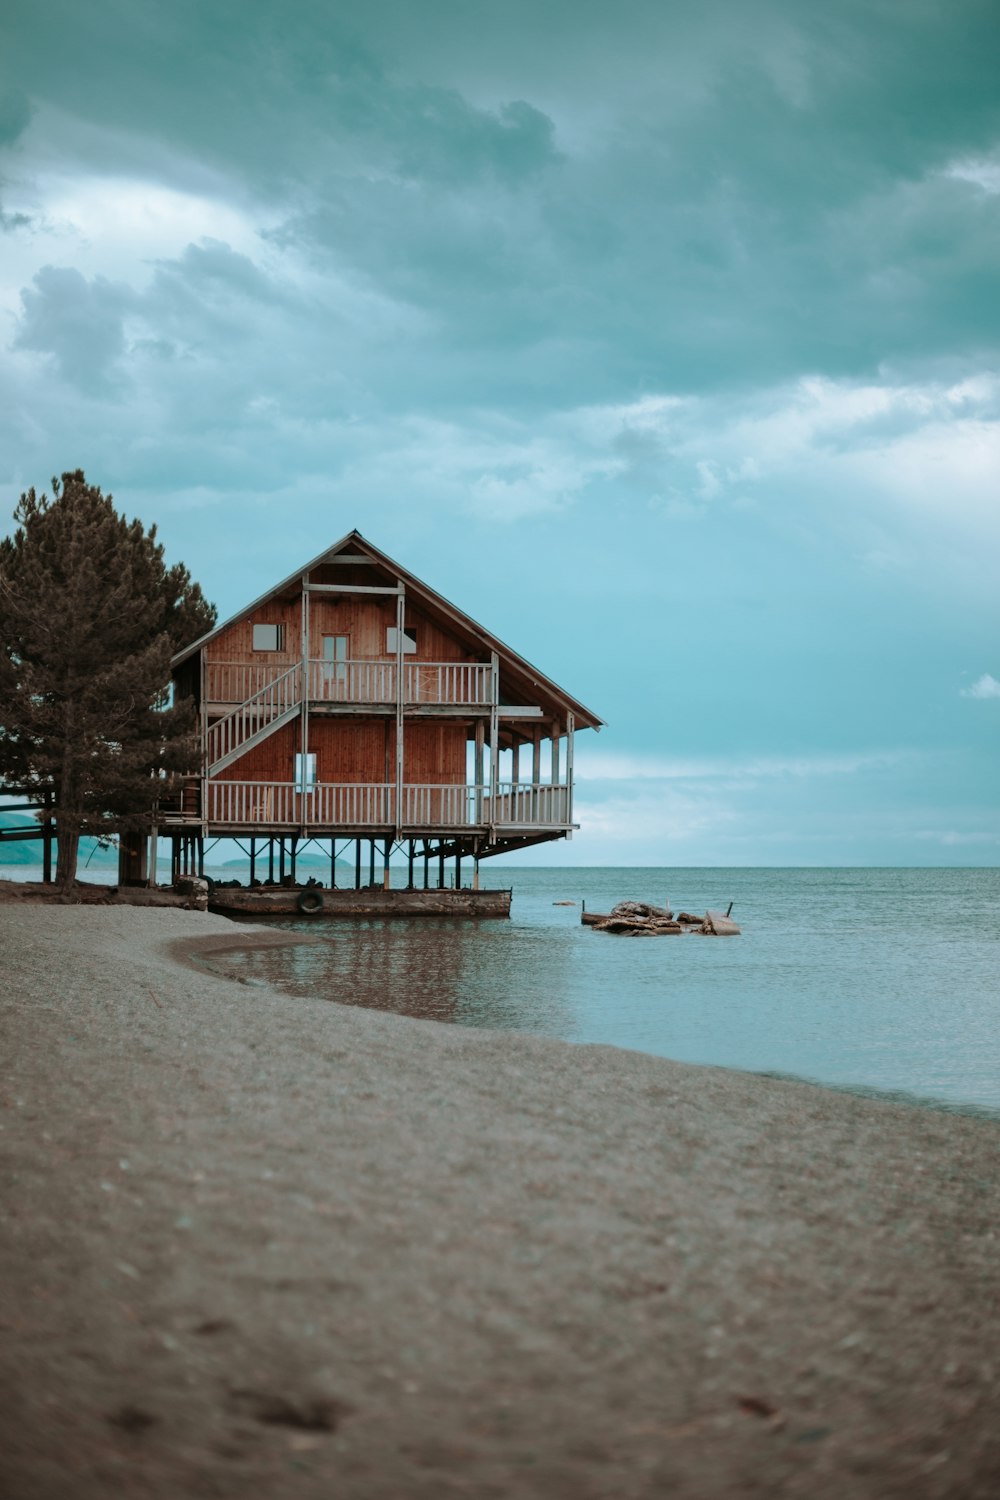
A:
x: 871, y: 979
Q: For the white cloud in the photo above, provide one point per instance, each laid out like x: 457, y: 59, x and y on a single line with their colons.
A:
x: 982, y: 172
x: 598, y: 765
x: 986, y: 686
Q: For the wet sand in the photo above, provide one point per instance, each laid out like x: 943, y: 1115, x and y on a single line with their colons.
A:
x: 263, y: 1246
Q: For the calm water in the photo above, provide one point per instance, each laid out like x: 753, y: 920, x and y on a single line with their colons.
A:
x: 872, y: 979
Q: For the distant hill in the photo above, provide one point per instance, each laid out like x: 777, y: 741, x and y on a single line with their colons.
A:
x: 29, y: 851
x: 309, y: 860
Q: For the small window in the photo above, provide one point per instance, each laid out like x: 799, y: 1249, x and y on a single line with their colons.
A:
x: 268, y: 637
x: 409, y: 641
x: 310, y: 770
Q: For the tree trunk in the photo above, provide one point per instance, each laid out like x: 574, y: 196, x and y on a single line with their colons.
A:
x: 68, y: 844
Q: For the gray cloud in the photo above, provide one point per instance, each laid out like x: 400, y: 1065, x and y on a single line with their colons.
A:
x: 15, y: 114
x: 79, y: 323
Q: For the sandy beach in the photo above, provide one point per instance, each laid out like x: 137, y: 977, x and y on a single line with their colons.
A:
x: 262, y: 1246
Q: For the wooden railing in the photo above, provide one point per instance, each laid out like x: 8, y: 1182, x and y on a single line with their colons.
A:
x: 352, y: 681
x: 459, y: 682
x: 231, y: 732
x: 521, y: 805
x: 447, y: 682
x: 356, y: 681
x: 243, y: 803
x: 346, y: 805
x: 236, y: 681
x: 429, y: 806
x: 373, y: 805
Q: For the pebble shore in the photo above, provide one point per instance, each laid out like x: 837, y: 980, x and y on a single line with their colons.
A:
x: 262, y: 1246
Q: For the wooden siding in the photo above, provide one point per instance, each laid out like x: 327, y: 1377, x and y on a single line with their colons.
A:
x: 434, y: 753
x: 352, y: 752
x: 362, y: 620
x: 272, y: 760
x: 359, y: 751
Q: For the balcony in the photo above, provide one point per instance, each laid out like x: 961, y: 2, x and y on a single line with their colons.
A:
x: 371, y: 807
x: 450, y: 683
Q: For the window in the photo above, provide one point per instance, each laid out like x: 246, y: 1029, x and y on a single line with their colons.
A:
x: 335, y: 654
x: 268, y: 637
x: 310, y: 770
x: 409, y: 641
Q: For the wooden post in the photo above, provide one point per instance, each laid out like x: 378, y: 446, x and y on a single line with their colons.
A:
x: 371, y: 862
x: 270, y: 861
x: 201, y: 856
x: 294, y: 852
x: 441, y: 867
x: 536, y: 769
x: 281, y: 861
x: 494, y: 737
x: 203, y: 712
x: 478, y: 771
x: 409, y: 865
x: 427, y: 865
x: 253, y: 859
x: 386, y: 873
x: 357, y: 864
x: 154, y: 840
x: 570, y: 726
x: 304, y: 694
x: 458, y: 870
x: 400, y: 700
x: 333, y: 864
x: 475, y: 872
x: 554, y: 778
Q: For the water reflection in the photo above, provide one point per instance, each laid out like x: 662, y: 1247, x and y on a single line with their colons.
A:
x: 881, y: 979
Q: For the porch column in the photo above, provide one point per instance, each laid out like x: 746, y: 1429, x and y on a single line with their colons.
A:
x: 304, y: 695
x: 400, y: 701
x: 478, y: 769
x: 536, y: 769
x: 494, y: 738
x: 570, y: 726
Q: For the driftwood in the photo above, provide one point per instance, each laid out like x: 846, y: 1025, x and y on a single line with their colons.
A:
x: 639, y: 926
x: 638, y: 919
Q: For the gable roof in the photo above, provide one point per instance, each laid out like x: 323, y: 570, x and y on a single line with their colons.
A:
x: 518, y: 676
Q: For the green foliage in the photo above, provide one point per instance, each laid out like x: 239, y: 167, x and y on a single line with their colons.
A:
x: 90, y: 616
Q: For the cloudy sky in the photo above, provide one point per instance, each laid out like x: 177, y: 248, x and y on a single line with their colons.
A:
x: 661, y: 337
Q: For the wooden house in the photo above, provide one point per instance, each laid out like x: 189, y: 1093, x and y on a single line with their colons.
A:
x: 353, y: 705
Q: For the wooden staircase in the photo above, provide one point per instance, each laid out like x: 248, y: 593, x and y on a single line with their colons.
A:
x: 252, y: 721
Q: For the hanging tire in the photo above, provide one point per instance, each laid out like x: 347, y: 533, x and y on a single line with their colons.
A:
x: 310, y: 903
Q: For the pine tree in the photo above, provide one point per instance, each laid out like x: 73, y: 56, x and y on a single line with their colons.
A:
x: 90, y: 616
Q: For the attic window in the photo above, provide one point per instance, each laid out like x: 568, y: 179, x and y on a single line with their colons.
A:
x: 409, y: 641
x: 268, y: 637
